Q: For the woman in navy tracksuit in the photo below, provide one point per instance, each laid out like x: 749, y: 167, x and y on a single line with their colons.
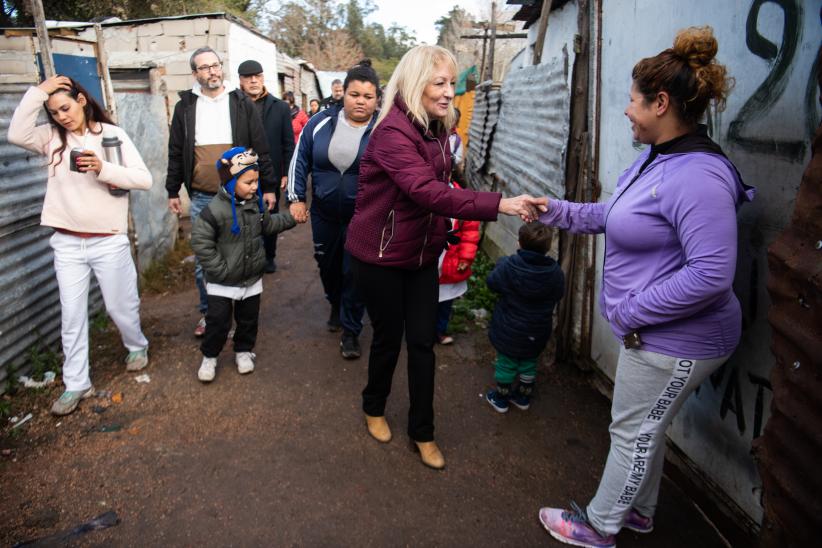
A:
x: 329, y: 149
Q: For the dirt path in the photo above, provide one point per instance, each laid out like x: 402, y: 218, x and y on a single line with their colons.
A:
x: 281, y: 457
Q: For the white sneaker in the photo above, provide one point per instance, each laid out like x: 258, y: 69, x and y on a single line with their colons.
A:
x: 245, y: 362
x: 208, y: 369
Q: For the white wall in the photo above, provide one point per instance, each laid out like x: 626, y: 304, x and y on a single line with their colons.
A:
x: 559, y: 36
x: 244, y: 45
x: 715, y: 435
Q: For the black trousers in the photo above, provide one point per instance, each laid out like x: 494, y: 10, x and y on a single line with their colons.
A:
x: 335, y: 271
x: 270, y: 242
x: 218, y: 322
x: 401, y: 302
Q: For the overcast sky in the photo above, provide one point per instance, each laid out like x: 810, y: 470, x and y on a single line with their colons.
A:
x: 419, y: 15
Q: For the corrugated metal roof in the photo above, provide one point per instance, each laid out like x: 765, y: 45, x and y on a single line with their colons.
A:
x: 29, y: 299
x: 528, y: 151
x: 788, y: 452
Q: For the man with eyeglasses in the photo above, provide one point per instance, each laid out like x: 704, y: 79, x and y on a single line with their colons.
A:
x: 208, y: 119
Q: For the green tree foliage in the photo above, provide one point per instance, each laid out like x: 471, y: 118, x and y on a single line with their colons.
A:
x: 17, y: 12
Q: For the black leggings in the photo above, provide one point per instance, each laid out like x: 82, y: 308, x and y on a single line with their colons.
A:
x: 401, y: 301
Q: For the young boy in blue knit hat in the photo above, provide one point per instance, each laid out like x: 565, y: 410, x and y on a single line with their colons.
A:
x: 227, y: 239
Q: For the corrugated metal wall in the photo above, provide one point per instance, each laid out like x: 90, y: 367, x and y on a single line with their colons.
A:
x: 29, y: 299
x: 528, y: 151
x: 480, y: 133
x: 789, y: 450
x: 517, y: 141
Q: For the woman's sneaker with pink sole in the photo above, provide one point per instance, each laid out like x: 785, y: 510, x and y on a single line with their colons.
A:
x: 572, y: 527
x: 638, y: 523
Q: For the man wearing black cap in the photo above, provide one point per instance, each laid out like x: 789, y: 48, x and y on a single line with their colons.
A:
x: 277, y: 125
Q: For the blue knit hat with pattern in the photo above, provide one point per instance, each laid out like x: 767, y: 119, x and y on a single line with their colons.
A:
x: 233, y: 163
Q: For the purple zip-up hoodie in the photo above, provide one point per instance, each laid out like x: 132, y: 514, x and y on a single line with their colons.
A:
x: 670, y: 248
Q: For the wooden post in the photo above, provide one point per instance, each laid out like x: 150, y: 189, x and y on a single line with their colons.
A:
x: 102, y: 64
x: 43, y: 37
x: 542, y: 30
x: 484, y: 44
x: 492, y: 45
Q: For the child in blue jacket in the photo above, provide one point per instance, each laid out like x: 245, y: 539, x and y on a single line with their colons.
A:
x: 529, y: 284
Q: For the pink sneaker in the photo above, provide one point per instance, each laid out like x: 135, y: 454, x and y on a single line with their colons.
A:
x: 638, y: 523
x: 571, y: 527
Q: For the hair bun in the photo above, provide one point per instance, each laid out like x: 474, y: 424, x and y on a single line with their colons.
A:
x: 364, y: 63
x: 696, y: 45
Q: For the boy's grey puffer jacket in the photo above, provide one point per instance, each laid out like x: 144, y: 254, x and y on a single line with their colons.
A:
x: 234, y: 259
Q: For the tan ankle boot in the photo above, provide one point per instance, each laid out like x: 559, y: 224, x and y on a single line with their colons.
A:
x: 429, y: 453
x: 378, y: 428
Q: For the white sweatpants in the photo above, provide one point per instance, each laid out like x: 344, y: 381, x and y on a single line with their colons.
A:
x: 110, y: 259
x: 649, y: 389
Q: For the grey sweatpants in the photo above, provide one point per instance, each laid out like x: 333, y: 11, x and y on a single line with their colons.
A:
x: 649, y: 390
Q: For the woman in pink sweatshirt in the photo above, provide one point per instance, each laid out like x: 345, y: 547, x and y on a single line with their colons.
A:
x: 89, y: 218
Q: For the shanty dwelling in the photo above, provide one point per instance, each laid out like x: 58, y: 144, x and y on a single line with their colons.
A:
x: 309, y: 84
x: 153, y: 55
x: 28, y: 288
x: 746, y: 445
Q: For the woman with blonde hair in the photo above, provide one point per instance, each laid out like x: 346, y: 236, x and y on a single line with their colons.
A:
x: 403, y: 208
x: 670, y: 255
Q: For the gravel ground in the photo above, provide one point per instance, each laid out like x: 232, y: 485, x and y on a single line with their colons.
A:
x: 281, y: 457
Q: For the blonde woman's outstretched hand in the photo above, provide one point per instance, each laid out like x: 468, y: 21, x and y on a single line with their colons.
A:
x: 527, y: 207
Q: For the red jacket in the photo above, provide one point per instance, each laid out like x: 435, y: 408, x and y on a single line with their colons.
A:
x: 298, y: 122
x: 466, y: 251
x: 404, y: 203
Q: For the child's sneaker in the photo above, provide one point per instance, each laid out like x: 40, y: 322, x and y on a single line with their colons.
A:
x: 497, y: 400
x: 522, y: 395
x: 245, y: 362
x: 572, y: 527
x: 208, y: 369
x: 638, y: 523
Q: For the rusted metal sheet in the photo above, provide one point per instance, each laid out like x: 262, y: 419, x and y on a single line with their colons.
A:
x: 29, y: 299
x: 788, y: 452
x: 528, y: 151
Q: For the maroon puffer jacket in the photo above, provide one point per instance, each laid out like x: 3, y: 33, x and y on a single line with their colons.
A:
x: 404, y: 203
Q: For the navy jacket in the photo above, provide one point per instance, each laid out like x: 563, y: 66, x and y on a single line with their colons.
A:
x: 333, y: 193
x: 530, y: 285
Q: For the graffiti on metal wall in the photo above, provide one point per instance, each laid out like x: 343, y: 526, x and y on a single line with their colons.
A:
x: 732, y: 397
x: 781, y: 58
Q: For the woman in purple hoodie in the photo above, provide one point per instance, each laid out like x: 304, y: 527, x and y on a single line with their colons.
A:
x: 670, y: 255
x: 402, y: 213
